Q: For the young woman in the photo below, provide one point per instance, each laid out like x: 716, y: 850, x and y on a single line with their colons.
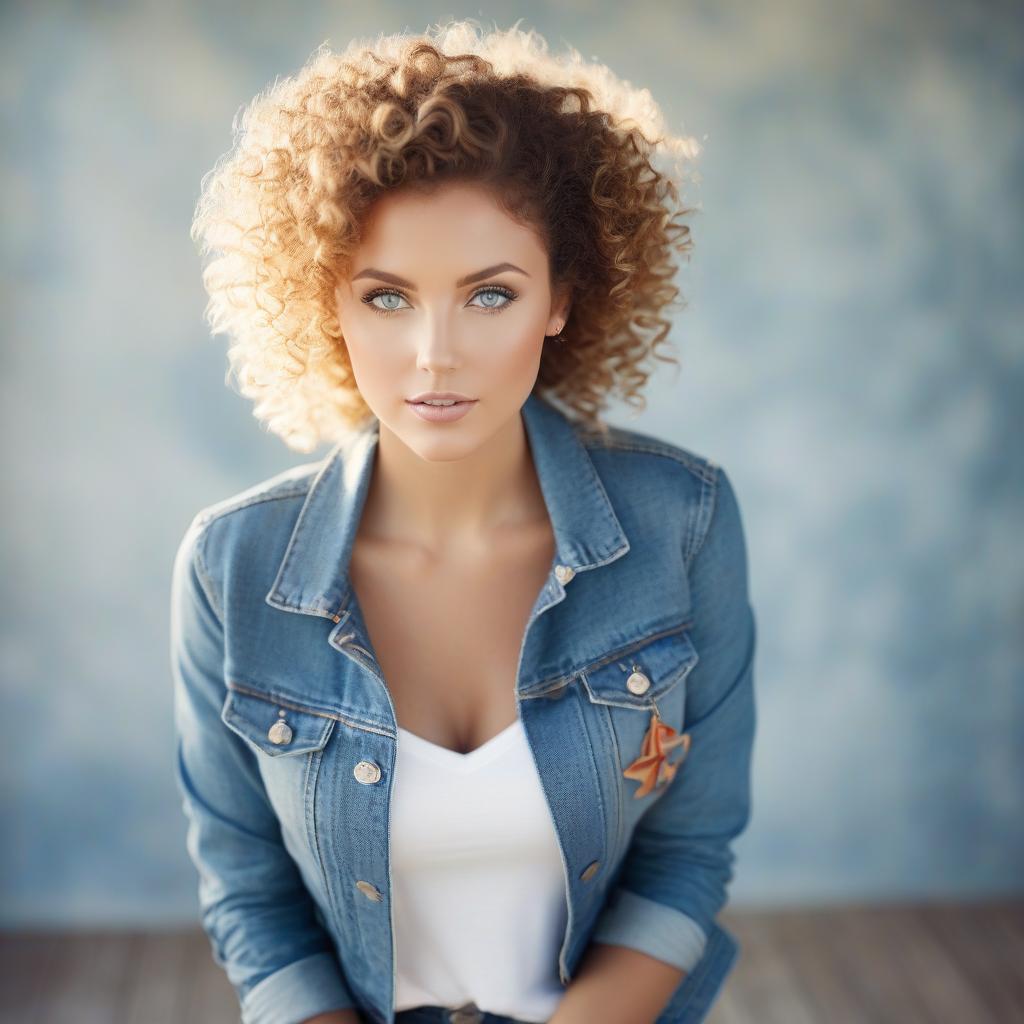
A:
x: 465, y: 708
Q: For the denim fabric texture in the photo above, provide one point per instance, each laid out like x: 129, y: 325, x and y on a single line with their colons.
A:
x: 286, y: 732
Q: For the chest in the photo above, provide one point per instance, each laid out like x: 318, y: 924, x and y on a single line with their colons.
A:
x: 447, y: 631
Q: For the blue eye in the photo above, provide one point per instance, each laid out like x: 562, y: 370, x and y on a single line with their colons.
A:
x: 505, y: 293
x: 490, y: 306
x: 382, y: 294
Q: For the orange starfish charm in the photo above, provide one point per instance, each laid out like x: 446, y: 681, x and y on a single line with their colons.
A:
x: 652, y: 767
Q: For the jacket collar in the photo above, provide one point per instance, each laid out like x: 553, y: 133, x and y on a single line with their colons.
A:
x: 313, y: 574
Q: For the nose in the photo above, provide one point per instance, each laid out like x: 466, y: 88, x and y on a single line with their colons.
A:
x: 436, y: 350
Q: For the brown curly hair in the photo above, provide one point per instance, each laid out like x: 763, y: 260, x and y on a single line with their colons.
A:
x: 567, y: 145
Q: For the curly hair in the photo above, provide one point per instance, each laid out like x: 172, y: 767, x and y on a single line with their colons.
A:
x: 569, y: 148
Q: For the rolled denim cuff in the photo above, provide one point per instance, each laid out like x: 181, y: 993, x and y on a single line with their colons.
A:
x: 652, y: 928
x: 297, y: 992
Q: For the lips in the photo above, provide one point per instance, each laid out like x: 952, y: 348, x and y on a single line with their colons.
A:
x: 440, y: 396
x: 441, y: 413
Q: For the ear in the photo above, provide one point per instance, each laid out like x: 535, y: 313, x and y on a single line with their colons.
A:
x: 561, y: 304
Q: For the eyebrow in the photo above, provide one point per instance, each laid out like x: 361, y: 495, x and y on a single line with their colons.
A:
x: 383, y: 275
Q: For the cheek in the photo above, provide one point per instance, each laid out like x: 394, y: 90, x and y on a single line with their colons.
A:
x: 370, y: 357
x: 518, y: 352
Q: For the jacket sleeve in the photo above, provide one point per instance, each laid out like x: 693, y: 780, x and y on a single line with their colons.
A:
x: 673, y: 880
x: 255, y: 909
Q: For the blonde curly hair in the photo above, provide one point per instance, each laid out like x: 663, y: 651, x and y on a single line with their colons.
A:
x: 568, y: 146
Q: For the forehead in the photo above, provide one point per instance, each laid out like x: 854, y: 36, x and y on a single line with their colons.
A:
x: 431, y: 221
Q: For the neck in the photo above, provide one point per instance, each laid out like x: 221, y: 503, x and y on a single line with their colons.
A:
x: 439, y: 505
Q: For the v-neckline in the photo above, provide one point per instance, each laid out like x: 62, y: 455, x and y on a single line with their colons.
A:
x: 479, y: 755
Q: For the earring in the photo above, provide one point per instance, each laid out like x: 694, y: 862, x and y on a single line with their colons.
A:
x: 558, y: 330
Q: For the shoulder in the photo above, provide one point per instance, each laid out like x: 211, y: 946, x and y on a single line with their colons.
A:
x: 671, y: 481
x: 293, y: 482
x: 255, y: 514
x: 623, y: 446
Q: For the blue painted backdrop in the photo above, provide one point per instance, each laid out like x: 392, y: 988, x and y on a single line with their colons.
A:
x: 852, y: 354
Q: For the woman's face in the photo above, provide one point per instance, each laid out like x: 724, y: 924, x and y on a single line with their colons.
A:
x: 446, y: 293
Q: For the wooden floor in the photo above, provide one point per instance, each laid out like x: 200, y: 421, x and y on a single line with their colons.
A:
x: 902, y: 964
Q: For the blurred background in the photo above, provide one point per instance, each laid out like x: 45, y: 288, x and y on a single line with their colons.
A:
x: 852, y: 353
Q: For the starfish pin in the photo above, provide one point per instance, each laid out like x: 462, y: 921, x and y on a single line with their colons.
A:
x: 652, y: 767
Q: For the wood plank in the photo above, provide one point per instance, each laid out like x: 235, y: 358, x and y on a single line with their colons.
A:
x: 940, y: 981
x: 905, y: 968
x: 1009, y: 936
x: 972, y: 938
x: 820, y: 964
x: 895, y: 964
x: 767, y: 990
x: 89, y: 978
x: 162, y: 977
x: 878, y: 968
x: 210, y: 997
x: 26, y: 969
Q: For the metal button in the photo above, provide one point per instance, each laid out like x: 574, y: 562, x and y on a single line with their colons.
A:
x: 590, y: 870
x: 280, y: 732
x: 468, y: 1013
x: 367, y: 773
x: 564, y: 573
x: 369, y: 890
x: 638, y: 683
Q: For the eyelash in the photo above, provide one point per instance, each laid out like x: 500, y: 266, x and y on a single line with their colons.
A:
x: 500, y: 289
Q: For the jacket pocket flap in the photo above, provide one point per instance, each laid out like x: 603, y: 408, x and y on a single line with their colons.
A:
x: 258, y: 718
x: 654, y: 666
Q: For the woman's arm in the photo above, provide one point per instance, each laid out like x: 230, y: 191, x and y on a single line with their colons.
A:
x: 260, y: 918
x: 679, y: 862
x: 617, y: 985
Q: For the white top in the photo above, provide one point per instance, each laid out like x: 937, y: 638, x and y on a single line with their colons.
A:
x: 478, y: 887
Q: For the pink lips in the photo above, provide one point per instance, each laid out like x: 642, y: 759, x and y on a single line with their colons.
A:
x: 441, y: 413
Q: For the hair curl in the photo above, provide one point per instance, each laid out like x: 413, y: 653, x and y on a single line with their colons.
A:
x: 570, y: 147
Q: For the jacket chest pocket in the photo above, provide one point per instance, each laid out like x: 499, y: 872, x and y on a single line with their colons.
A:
x: 287, y: 741
x: 277, y: 728
x: 627, y: 686
x: 645, y: 675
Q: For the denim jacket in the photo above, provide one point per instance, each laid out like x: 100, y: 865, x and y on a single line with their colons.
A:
x: 286, y: 732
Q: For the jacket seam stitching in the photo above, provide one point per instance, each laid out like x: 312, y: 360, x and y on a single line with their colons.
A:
x: 616, y: 756
x: 634, y: 645
x: 203, y: 573
x: 211, y: 515
x: 705, y: 514
x: 704, y: 469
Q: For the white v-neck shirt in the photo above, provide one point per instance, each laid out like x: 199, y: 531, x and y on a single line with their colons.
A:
x: 478, y: 887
